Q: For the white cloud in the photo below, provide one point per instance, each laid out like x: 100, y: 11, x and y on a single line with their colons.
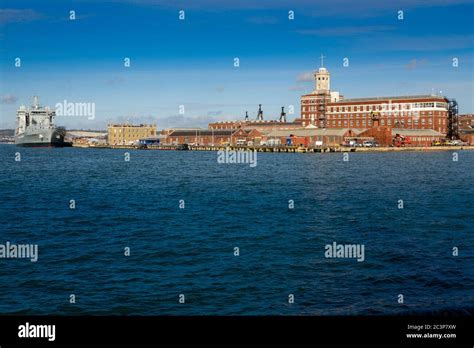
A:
x: 297, y: 88
x: 9, y: 15
x: 345, y: 31
x: 8, y: 99
x: 305, y: 77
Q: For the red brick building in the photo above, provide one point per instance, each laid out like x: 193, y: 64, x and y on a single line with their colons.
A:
x: 254, y: 124
x: 213, y: 137
x: 387, y: 136
x: 198, y: 137
x: 310, y: 137
x: 467, y: 136
x: 466, y: 122
x: 466, y: 128
x: 416, y: 137
x: 326, y: 108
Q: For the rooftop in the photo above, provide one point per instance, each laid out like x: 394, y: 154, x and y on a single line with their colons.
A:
x: 202, y: 132
x: 308, y: 132
x: 130, y: 125
x: 416, y: 132
x: 252, y: 122
x: 401, y: 97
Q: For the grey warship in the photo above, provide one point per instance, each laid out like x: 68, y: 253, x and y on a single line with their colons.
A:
x: 35, y: 127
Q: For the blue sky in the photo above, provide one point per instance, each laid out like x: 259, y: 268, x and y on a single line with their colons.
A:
x: 190, y: 62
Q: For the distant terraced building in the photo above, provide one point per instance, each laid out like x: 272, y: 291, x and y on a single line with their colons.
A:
x: 127, y: 134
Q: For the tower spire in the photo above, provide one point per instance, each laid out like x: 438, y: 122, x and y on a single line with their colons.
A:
x: 322, y: 60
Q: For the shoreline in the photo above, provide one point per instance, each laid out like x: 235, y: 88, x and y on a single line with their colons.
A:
x: 281, y: 149
x: 286, y: 149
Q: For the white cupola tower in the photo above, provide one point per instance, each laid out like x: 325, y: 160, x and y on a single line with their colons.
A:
x: 322, y: 78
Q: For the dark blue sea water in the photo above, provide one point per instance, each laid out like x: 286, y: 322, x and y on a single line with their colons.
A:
x: 190, y: 251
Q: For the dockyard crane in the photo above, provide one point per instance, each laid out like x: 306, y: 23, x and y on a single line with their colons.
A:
x: 283, y: 114
x: 453, y: 120
x: 260, y: 113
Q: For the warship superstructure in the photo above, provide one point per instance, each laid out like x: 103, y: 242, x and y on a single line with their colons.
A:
x: 35, y: 127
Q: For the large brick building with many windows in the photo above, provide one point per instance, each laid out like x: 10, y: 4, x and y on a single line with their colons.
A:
x: 328, y: 109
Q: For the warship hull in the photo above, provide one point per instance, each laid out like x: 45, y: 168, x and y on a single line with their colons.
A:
x: 42, y: 138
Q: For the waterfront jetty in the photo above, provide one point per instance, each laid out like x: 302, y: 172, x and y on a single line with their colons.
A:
x: 286, y: 148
